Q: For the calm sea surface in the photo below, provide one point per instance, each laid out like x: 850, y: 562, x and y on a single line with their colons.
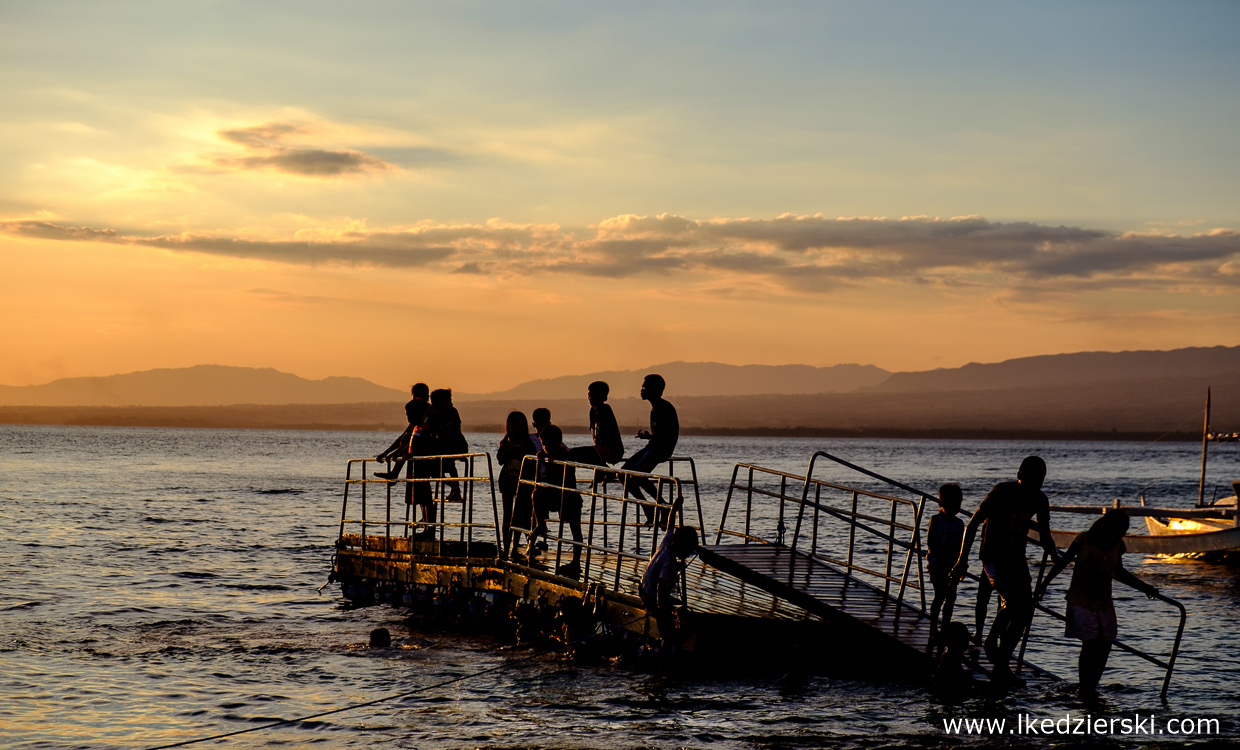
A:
x: 159, y: 585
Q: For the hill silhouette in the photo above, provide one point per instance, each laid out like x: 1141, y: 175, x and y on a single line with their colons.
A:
x: 203, y: 385
x: 1067, y: 369
x: 702, y: 379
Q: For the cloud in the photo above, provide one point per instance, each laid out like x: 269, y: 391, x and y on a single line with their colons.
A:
x: 804, y: 254
x: 267, y: 150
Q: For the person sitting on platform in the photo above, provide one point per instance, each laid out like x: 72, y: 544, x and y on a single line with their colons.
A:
x: 561, y: 498
x: 943, y: 544
x: 1098, y: 554
x: 662, y: 436
x: 415, y: 412
x: 608, y: 447
x: 513, y: 448
x: 444, y: 422
x: 662, y: 573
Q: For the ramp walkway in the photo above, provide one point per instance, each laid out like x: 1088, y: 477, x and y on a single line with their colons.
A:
x: 852, y: 557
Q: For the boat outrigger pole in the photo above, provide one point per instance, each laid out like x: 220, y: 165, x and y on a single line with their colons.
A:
x: 1205, y: 441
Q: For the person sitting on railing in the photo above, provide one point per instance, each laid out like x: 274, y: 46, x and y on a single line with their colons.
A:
x: 1009, y: 512
x: 662, y: 436
x: 943, y: 544
x: 444, y: 422
x: 608, y: 447
x: 415, y: 413
x: 561, y: 498
x: 1099, y: 556
x: 662, y: 573
x: 513, y: 448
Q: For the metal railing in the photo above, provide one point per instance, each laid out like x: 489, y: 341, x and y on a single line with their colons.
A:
x: 425, y: 485
x: 1168, y: 664
x: 617, y: 537
x: 864, y: 512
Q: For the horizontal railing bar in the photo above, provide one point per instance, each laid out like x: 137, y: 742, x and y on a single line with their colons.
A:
x: 810, y: 503
x: 819, y: 483
x: 1118, y: 643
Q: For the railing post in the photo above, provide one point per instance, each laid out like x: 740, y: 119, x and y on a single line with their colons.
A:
x: 624, y: 512
x: 727, y: 504
x: 1024, y: 637
x: 748, y: 505
x: 779, y: 522
x: 1175, y: 647
x: 891, y: 532
x: 852, y: 533
x: 585, y: 570
x: 344, y: 503
x: 813, y: 542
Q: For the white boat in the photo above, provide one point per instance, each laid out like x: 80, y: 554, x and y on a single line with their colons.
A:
x: 1207, y: 530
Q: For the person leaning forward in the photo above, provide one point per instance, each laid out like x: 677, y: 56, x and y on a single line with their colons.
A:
x: 1006, y: 516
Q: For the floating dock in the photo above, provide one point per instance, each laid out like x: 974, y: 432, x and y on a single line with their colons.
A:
x: 800, y: 572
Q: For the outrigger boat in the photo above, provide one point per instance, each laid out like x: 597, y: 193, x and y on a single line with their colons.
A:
x: 1206, y: 530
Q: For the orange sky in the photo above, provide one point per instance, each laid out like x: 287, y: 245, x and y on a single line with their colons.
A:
x: 571, y: 189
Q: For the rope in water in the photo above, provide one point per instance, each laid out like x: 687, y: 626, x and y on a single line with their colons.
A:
x: 376, y: 701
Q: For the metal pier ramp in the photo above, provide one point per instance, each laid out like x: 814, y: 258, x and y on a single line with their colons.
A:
x: 822, y: 590
x: 872, y: 618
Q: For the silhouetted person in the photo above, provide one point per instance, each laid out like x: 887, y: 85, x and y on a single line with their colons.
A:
x: 1007, y: 513
x: 540, y: 418
x: 444, y: 422
x: 513, y: 448
x: 415, y: 413
x: 608, y: 447
x: 943, y: 540
x: 1098, y: 554
x: 561, y: 498
x: 953, y: 679
x: 661, y: 575
x: 380, y: 638
x: 662, y: 436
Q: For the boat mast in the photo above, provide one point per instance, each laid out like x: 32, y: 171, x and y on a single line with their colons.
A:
x: 1205, y: 440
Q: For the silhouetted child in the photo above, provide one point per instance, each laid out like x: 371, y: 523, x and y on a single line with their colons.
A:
x: 662, y: 573
x: 539, y: 418
x: 444, y: 422
x: 943, y: 544
x: 562, y: 497
x: 415, y: 413
x: 954, y: 678
x: 513, y: 448
x: 1099, y: 556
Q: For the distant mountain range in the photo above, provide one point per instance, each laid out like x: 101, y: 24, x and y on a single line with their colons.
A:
x: 701, y: 379
x: 1091, y: 392
x: 1068, y: 369
x: 203, y: 385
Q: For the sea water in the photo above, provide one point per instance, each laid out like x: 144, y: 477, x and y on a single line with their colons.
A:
x: 161, y: 585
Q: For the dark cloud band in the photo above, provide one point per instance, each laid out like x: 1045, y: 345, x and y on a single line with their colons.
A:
x: 806, y: 254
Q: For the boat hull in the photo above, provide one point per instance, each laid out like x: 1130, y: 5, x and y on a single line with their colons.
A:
x: 1193, y: 544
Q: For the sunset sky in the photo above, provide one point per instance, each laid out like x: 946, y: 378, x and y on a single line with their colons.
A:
x: 479, y: 194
